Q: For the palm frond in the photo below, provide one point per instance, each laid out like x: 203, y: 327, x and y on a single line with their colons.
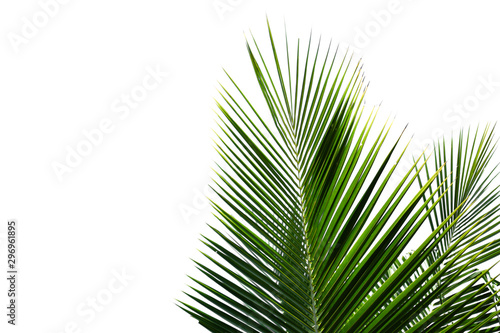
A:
x: 311, y: 237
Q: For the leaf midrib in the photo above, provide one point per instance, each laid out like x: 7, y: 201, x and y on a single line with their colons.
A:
x: 304, y: 234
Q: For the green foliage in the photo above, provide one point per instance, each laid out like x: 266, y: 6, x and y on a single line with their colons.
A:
x: 311, y: 235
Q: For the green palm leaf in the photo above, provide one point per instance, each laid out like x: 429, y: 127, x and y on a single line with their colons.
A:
x: 474, y: 292
x: 311, y: 237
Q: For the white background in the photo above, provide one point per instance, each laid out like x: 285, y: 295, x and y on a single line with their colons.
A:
x: 120, y: 207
